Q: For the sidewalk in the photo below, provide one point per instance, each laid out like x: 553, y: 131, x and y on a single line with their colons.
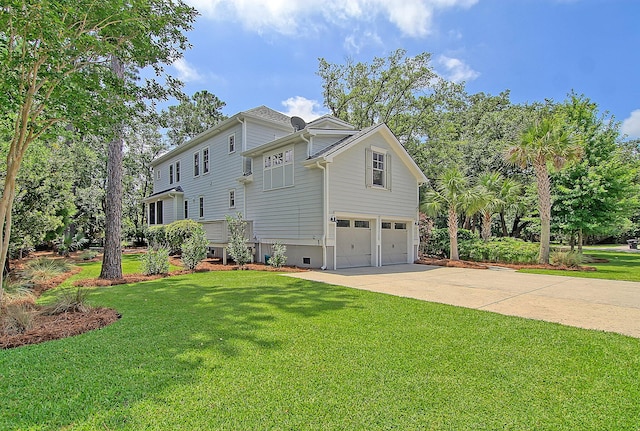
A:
x: 606, y: 305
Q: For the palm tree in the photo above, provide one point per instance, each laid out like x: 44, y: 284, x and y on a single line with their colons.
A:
x: 545, y: 141
x: 452, y: 195
x: 498, y: 193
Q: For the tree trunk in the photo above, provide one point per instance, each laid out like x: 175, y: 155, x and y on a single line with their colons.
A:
x: 503, y: 225
x: 452, y: 225
x: 580, y: 240
x: 486, y: 226
x: 572, y: 241
x: 544, y: 206
x: 112, y: 258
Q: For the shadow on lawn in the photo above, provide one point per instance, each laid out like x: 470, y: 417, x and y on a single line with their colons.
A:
x: 169, y: 330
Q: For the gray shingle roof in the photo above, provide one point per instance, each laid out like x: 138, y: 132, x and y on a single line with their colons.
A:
x: 172, y: 189
x: 269, y: 114
x: 343, y: 142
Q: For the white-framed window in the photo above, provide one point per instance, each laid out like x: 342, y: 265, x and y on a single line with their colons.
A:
x: 232, y: 198
x: 170, y: 174
x: 196, y: 164
x: 186, y: 209
x: 155, y: 213
x: 278, y: 169
x: 232, y: 143
x: 378, y: 168
x: 157, y: 173
x: 201, y: 207
x: 205, y: 160
x: 177, y: 171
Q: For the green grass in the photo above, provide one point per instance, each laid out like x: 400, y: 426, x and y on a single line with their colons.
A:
x: 621, y: 266
x: 246, y: 350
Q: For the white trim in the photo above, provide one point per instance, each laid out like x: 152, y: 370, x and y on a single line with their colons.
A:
x: 201, y: 212
x: 231, y: 137
x: 283, y: 158
x: 206, y: 165
x: 231, y: 191
x: 193, y: 158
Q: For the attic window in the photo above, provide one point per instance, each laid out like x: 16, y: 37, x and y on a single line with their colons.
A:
x: 232, y: 143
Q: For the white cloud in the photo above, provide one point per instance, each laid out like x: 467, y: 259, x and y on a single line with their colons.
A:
x: 186, y: 72
x: 631, y: 125
x: 356, y: 41
x: 302, y: 107
x: 412, y: 17
x: 457, y: 70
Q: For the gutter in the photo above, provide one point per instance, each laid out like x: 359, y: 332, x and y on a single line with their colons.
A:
x: 325, y: 204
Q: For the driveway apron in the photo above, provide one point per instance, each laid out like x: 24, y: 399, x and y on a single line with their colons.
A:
x: 605, y: 305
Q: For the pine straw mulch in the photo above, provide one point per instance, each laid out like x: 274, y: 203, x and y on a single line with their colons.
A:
x: 46, y: 327
x: 488, y: 265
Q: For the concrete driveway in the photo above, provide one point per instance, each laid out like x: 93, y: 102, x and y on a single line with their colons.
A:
x: 586, y: 303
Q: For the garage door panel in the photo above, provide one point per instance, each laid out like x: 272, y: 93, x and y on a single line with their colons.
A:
x: 394, y: 243
x: 353, y: 245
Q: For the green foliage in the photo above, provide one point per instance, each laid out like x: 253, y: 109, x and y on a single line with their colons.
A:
x: 67, y: 243
x: 155, y: 261
x: 88, y: 255
x: 570, y: 259
x: 69, y: 301
x: 192, y: 116
x: 42, y: 269
x: 179, y: 231
x: 508, y: 250
x: 438, y: 243
x: 278, y: 255
x: 157, y: 237
x: 16, y: 319
x: 237, y: 247
x: 194, y: 250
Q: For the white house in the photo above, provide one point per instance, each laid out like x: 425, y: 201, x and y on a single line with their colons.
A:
x: 335, y: 196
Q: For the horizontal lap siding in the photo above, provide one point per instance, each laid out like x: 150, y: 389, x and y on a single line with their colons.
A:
x: 290, y: 212
x: 348, y: 191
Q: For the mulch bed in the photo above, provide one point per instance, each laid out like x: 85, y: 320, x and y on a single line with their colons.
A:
x: 488, y: 265
x: 64, y: 325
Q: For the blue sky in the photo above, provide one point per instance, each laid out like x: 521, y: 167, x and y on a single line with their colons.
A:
x: 265, y: 52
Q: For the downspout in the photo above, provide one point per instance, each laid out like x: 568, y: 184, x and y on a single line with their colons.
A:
x: 324, y: 215
x: 244, y: 184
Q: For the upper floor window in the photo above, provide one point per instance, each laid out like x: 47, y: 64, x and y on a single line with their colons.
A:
x: 157, y: 173
x: 205, y: 160
x: 232, y: 143
x: 232, y: 198
x: 278, y: 169
x: 177, y: 173
x: 201, y: 207
x: 378, y: 168
x: 196, y: 164
x: 170, y: 174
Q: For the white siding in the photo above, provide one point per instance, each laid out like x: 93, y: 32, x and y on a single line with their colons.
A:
x: 259, y: 134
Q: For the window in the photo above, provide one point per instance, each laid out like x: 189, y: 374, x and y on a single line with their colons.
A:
x: 306, y: 261
x: 232, y: 198
x: 248, y: 166
x: 186, y: 209
x: 386, y: 225
x: 205, y: 160
x: 232, y: 143
x: 159, y: 212
x: 361, y: 223
x: 177, y: 171
x: 196, y: 164
x: 152, y: 213
x: 343, y: 223
x: 157, y: 173
x: 378, y: 169
x: 201, y: 206
x: 278, y: 170
x: 170, y: 174
x: 401, y: 226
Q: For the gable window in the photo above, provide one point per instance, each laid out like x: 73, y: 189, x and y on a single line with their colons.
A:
x: 186, y: 209
x: 232, y: 143
x: 278, y: 169
x: 232, y: 198
x: 196, y: 164
x: 205, y: 160
x: 177, y: 173
x: 170, y: 174
x: 378, y: 168
x: 201, y: 213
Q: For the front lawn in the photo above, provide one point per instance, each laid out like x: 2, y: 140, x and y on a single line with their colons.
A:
x: 245, y: 350
x: 621, y: 266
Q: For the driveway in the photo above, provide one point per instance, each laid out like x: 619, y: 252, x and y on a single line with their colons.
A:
x: 586, y: 303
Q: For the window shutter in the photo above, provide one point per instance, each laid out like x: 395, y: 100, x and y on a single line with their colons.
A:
x: 388, y: 171
x: 368, y: 177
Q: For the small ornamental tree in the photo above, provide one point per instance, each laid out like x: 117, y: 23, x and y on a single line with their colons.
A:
x: 194, y: 250
x: 237, y: 247
x: 278, y: 257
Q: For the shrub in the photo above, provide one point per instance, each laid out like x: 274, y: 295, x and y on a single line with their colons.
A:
x: 16, y: 319
x: 571, y: 259
x: 438, y: 243
x: 237, y: 247
x: 179, y: 231
x: 508, y: 250
x: 194, y: 250
x: 155, y: 261
x: 17, y: 292
x: 88, y: 255
x: 69, y: 301
x: 278, y: 257
x: 42, y: 269
x: 156, y: 237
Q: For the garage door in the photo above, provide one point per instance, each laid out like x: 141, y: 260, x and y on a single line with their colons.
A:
x: 353, y: 243
x: 394, y: 242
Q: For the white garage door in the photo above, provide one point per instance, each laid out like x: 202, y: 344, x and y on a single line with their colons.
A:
x: 394, y: 242
x: 353, y: 243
